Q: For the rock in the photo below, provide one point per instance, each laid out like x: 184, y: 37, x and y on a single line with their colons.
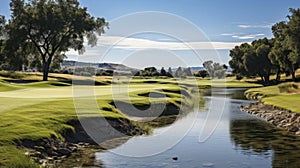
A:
x: 207, y: 164
x: 54, y: 148
x: 27, y: 153
x: 39, y: 148
x: 288, y: 125
x: 43, y: 161
x: 64, y: 151
x: 81, y: 143
x: 38, y: 154
x: 49, y: 158
x: 57, y: 161
x: 73, y: 149
x: 270, y: 117
x: 175, y: 158
x: 50, y: 152
x: 293, y: 129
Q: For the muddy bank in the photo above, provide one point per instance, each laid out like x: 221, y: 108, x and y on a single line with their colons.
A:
x: 279, y: 117
x: 53, y: 151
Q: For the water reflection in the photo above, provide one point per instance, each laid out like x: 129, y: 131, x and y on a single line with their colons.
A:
x: 240, y: 140
x: 260, y: 137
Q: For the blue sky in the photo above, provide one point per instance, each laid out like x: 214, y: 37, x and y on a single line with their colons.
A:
x: 228, y: 22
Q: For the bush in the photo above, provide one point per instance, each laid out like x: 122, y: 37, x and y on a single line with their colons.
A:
x: 85, y: 74
x: 202, y: 73
x: 289, y: 88
x: 65, y: 71
x: 55, y: 71
x: 239, y: 77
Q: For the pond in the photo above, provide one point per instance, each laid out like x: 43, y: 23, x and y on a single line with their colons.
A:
x: 236, y: 139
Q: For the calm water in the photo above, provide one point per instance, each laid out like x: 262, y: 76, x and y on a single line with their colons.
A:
x: 238, y: 141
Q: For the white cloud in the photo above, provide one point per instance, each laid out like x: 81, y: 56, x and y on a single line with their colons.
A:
x: 246, y: 37
x: 227, y: 34
x: 134, y: 44
x: 247, y: 26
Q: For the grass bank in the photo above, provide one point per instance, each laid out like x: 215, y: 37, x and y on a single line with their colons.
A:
x: 33, y: 110
x: 285, y: 95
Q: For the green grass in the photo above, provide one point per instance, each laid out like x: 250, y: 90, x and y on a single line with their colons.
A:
x: 37, y: 110
x: 289, y: 102
x: 285, y: 95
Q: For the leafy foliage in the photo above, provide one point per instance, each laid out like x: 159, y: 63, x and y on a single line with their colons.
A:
x: 264, y: 57
x: 46, y: 29
x: 215, y: 69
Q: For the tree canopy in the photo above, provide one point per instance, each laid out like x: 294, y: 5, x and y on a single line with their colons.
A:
x: 264, y: 57
x: 46, y: 29
x: 215, y: 69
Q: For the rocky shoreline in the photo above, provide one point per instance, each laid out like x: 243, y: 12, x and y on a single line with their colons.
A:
x: 52, y: 152
x: 285, y: 119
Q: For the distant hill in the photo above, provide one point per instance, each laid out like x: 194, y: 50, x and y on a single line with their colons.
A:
x: 197, y: 69
x: 103, y: 66
x: 114, y: 66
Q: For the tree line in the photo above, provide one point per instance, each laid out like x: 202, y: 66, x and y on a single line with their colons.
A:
x: 152, y: 71
x: 211, y: 69
x: 265, y: 57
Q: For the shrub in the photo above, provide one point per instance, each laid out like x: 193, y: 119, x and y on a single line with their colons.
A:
x: 289, y: 88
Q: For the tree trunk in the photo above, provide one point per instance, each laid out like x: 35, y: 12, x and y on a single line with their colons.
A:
x: 278, y: 75
x: 267, y: 79
x: 262, y: 79
x: 45, y: 71
x: 293, y: 74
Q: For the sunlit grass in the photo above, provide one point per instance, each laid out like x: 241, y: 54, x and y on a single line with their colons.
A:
x: 37, y: 110
x: 285, y: 95
x: 289, y: 102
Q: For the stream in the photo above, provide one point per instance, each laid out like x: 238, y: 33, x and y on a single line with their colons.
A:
x: 238, y: 140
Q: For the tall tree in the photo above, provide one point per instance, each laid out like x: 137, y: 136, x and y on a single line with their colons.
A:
x: 188, y: 71
x: 237, y: 60
x: 253, y: 60
x: 2, y: 37
x: 179, y: 72
x: 208, y: 65
x: 50, y: 28
x: 293, y: 35
x: 263, y: 64
x: 170, y: 72
x: 214, y: 69
x: 279, y: 54
x: 163, y: 72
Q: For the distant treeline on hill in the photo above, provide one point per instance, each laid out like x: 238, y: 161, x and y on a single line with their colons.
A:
x: 210, y: 69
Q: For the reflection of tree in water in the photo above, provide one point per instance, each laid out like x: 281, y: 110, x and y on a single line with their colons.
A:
x: 259, y: 136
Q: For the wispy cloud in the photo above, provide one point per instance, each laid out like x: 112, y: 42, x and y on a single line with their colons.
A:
x: 226, y: 34
x: 248, y: 36
x: 135, y: 43
x: 247, y: 26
